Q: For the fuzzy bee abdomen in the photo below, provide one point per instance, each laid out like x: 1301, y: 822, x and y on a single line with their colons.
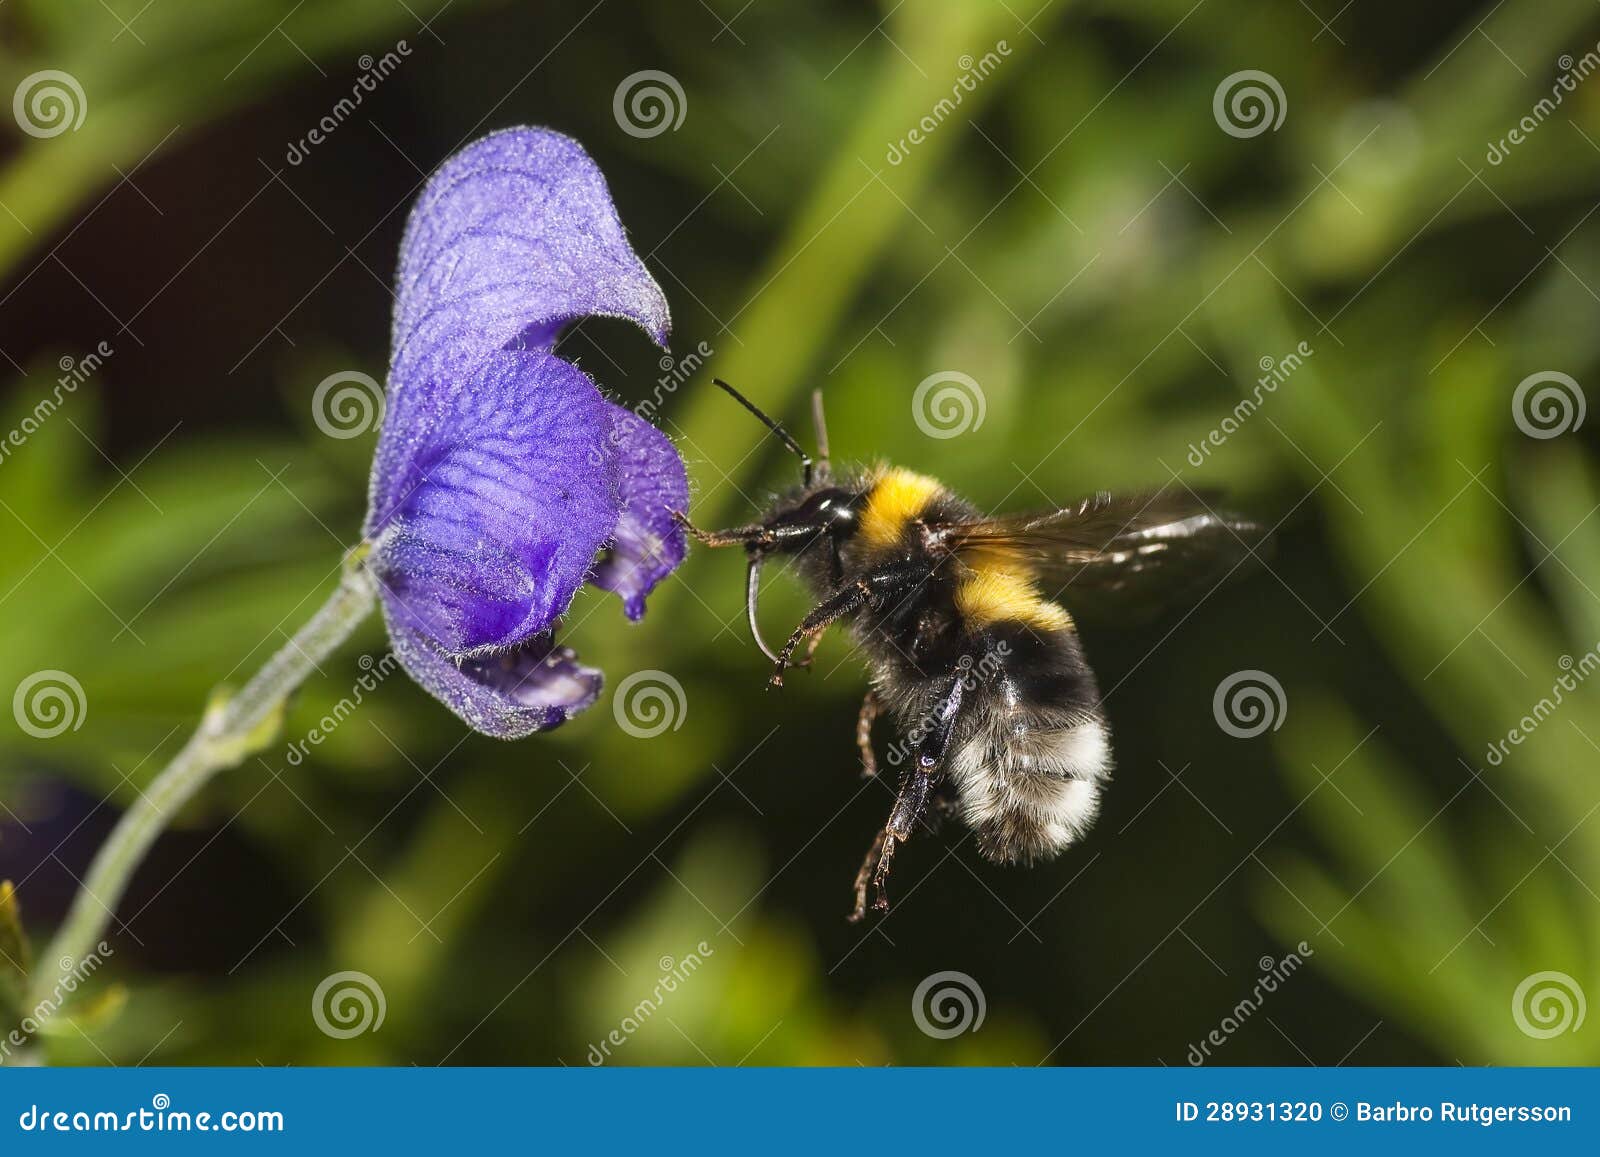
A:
x: 1030, y: 788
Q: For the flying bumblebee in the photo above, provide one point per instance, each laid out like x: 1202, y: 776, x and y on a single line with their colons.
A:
x: 970, y: 654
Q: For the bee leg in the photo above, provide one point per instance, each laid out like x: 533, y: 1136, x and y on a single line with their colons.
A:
x: 834, y: 607
x: 918, y: 788
x: 736, y: 536
x: 811, y: 651
x: 864, y: 875
x: 880, y: 878
x: 840, y: 603
x: 908, y: 808
x: 869, y: 712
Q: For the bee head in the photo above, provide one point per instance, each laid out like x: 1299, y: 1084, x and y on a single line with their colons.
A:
x: 818, y: 513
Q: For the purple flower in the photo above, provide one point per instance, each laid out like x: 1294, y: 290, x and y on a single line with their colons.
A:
x: 503, y: 479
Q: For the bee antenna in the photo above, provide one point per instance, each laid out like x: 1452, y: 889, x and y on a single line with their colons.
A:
x: 782, y: 434
x: 819, y: 423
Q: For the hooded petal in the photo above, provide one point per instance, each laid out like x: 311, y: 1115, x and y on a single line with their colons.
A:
x: 500, y: 472
x: 648, y: 544
x: 513, y: 237
x: 486, y: 521
x: 533, y: 688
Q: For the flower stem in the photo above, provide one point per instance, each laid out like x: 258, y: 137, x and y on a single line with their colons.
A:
x: 235, y: 726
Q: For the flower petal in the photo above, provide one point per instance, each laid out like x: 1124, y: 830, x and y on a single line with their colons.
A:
x: 648, y: 544
x: 486, y: 519
x: 533, y: 688
x: 513, y: 237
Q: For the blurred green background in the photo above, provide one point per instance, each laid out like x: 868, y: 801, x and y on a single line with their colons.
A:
x: 1082, y: 237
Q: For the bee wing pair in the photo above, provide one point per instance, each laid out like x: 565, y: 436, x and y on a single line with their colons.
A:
x: 1122, y: 555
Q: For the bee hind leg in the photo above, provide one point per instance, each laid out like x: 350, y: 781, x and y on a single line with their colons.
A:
x: 918, y: 791
x: 865, y: 875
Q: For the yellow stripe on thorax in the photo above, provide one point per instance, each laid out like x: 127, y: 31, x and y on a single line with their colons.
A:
x: 991, y: 594
x: 897, y: 496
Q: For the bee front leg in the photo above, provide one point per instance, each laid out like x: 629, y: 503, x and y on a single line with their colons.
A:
x: 916, y: 793
x: 735, y: 536
x: 832, y: 608
x: 844, y: 601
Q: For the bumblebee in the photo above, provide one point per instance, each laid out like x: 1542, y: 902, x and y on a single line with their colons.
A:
x: 970, y: 653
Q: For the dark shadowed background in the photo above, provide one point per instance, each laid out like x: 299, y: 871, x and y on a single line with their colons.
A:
x: 1338, y: 261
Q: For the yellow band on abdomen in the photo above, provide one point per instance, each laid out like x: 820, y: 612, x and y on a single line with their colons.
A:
x: 998, y: 595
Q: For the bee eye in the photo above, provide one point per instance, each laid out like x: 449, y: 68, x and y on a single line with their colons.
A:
x: 830, y: 512
x: 825, y: 510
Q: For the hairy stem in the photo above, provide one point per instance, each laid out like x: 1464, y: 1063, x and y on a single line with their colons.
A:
x: 234, y: 727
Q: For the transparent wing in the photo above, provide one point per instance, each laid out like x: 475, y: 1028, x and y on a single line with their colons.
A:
x: 1118, y: 551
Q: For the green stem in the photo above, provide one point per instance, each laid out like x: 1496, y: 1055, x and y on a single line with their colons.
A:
x: 234, y: 727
